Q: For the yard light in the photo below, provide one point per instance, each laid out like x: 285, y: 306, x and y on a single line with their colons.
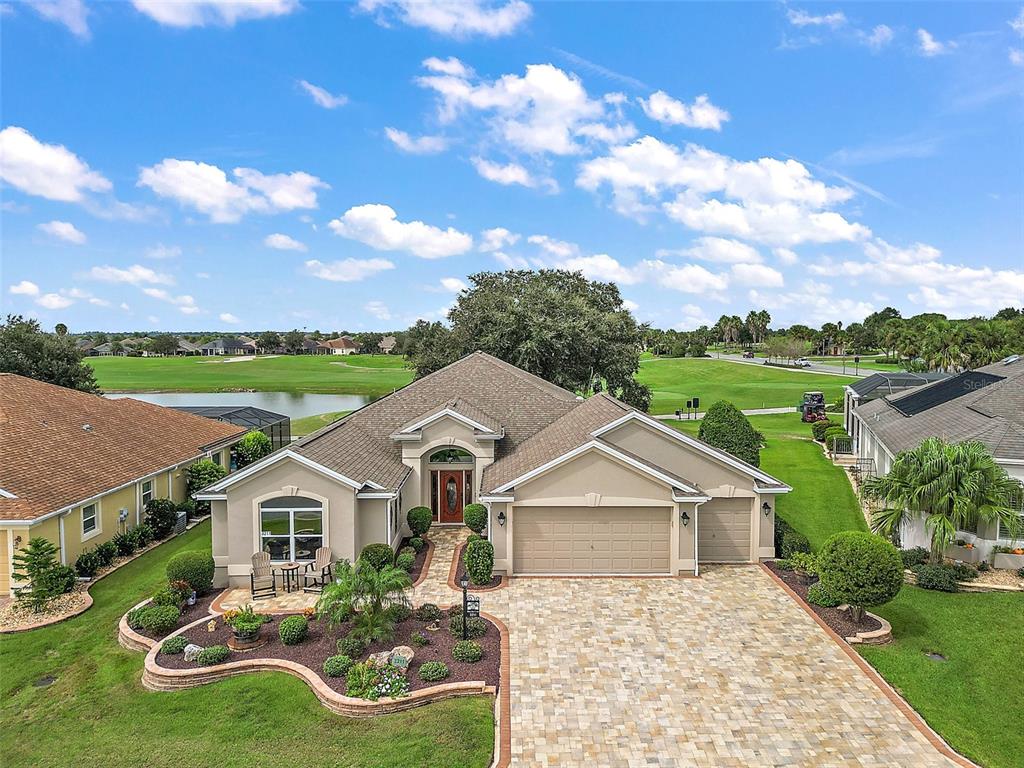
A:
x: 501, y: 517
x: 766, y: 508
x: 685, y: 517
x: 464, y: 583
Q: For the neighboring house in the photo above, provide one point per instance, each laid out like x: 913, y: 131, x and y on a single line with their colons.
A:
x: 106, y: 350
x: 343, y: 345
x: 85, y: 346
x: 387, y: 344
x: 77, y: 468
x: 276, y: 426
x: 572, y: 486
x: 186, y: 347
x: 311, y: 346
x: 986, y: 404
x: 881, y: 385
x: 227, y: 347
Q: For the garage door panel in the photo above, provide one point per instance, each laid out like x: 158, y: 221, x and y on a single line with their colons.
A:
x: 591, y: 540
x: 723, y: 531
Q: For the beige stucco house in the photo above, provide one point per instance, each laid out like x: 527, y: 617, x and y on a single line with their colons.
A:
x: 572, y: 485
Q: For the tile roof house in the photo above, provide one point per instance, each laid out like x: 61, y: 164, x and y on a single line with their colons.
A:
x: 76, y: 468
x: 985, y: 404
x: 343, y: 345
x: 572, y: 485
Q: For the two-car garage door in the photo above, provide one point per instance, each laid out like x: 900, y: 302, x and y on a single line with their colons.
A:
x: 591, y: 540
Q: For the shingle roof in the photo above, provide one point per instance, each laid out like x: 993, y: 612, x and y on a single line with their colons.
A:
x: 342, y: 342
x: 461, y: 406
x: 60, y: 446
x: 889, y: 382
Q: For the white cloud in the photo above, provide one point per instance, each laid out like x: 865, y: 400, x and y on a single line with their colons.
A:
x: 449, y: 66
x: 786, y: 256
x: 283, y: 242
x: 693, y: 317
x: 63, y: 230
x: 184, y: 303
x: 557, y: 248
x: 668, y: 111
x: 161, y: 251
x: 603, y: 267
x: 72, y: 14
x: 378, y: 227
x: 347, y: 270
x: 1016, y: 57
x: 98, y: 302
x: 416, y: 145
x: 207, y: 189
x: 136, y: 274
x: 203, y: 275
x: 510, y: 174
x: 688, y: 278
x: 453, y: 284
x: 460, y: 19
x: 227, y: 317
x: 24, y: 288
x: 54, y: 301
x: 47, y: 170
x: 630, y: 305
x: 1017, y: 22
x: 928, y: 46
x: 717, y: 249
x: 879, y: 37
x: 800, y: 18
x: 511, y: 261
x: 322, y: 97
x: 200, y: 13
x: 497, y: 238
x: 756, y: 274
x: 378, y: 309
x: 813, y: 304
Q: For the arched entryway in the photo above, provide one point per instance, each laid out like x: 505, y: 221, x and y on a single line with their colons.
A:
x: 451, y: 483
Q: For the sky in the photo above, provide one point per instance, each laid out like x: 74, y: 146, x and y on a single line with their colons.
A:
x: 243, y: 165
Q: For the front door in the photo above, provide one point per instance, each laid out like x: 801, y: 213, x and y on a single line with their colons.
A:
x: 450, y: 494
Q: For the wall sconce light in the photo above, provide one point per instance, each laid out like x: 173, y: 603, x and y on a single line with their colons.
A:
x: 766, y: 508
x: 685, y: 517
x: 501, y: 517
x: 17, y: 541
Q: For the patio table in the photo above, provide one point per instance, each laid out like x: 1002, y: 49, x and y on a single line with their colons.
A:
x: 289, y: 576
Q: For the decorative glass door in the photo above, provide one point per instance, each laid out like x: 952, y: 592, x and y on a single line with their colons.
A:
x: 450, y: 495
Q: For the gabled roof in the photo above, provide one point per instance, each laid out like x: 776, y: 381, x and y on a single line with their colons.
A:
x: 458, y: 408
x: 342, y: 342
x: 59, y: 447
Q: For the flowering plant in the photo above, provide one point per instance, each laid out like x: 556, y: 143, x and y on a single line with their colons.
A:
x: 371, y: 680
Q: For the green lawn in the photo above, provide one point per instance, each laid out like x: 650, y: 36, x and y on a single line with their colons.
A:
x: 372, y: 375
x: 674, y: 380
x: 97, y: 713
x: 309, y: 424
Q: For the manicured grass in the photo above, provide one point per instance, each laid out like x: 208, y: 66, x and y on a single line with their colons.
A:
x: 674, y: 380
x: 309, y: 424
x: 372, y: 375
x: 822, y: 501
x: 974, y: 699
x: 97, y: 713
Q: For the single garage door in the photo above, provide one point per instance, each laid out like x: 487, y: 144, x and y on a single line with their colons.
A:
x: 723, y: 531
x: 590, y: 540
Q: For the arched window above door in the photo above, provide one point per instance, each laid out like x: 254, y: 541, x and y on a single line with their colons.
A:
x: 451, y: 456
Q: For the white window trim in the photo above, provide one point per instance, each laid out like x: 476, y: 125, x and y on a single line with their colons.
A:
x: 98, y: 517
x: 258, y: 520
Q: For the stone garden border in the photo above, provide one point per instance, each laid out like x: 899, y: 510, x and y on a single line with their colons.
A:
x: 880, y: 636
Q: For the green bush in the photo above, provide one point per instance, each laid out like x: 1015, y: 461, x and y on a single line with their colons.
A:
x: 433, y: 671
x: 188, y: 506
x: 419, y: 520
x: 125, y: 544
x: 819, y: 428
x: 818, y: 595
x: 937, y: 577
x: 195, y: 568
x: 337, y: 666
x: 158, y: 619
x: 142, y: 535
x: 427, y: 612
x: 963, y: 571
x: 373, y: 681
x: 251, y: 448
x: 88, y: 563
x: 475, y: 517
x: 725, y: 427
x: 132, y: 617
x: 475, y: 627
x: 106, y: 552
x: 173, y: 645
x: 161, y: 516
x: 406, y: 562
x: 835, y: 430
x: 914, y: 557
x: 399, y: 613
x: 215, y: 654
x: 378, y: 555
x: 419, y: 639
x: 167, y: 596
x: 199, y: 475
x: 473, y: 537
x: 351, y: 646
x: 467, y: 650
x: 417, y: 543
x: 801, y: 562
x: 860, y: 569
x: 792, y: 543
x: 59, y: 579
x: 479, y: 559
x: 293, y: 630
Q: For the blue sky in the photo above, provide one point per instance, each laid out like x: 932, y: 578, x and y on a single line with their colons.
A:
x: 250, y: 165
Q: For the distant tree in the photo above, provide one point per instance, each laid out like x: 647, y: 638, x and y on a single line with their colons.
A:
x: 724, y: 426
x: 293, y: 341
x: 60, y: 329
x: 116, y: 347
x: 27, y: 351
x: 163, y: 344
x: 268, y: 341
x: 251, y: 448
x: 428, y: 346
x: 369, y: 343
x: 1009, y: 313
x: 100, y: 338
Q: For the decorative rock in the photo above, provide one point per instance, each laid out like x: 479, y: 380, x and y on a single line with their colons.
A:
x: 192, y: 651
x: 380, y: 657
x: 432, y: 626
x: 401, y: 657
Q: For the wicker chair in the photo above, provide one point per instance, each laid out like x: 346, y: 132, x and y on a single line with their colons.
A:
x: 262, y: 578
x: 318, y: 573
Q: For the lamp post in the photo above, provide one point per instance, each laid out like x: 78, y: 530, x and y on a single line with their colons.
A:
x: 464, y: 583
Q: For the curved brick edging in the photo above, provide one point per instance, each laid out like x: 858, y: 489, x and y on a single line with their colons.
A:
x: 454, y: 569
x: 426, y: 565
x: 880, y: 636
x: 901, y: 704
x: 129, y: 638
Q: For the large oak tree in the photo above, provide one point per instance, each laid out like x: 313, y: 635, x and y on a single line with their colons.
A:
x: 28, y: 351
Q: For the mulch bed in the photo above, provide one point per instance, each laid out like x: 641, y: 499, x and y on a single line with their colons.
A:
x: 189, y: 613
x: 421, y: 558
x: 461, y: 569
x: 321, y: 642
x: 838, y: 621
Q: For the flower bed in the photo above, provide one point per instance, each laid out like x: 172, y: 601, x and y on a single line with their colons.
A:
x: 189, y: 613
x: 496, y: 580
x: 838, y: 621
x: 419, y: 564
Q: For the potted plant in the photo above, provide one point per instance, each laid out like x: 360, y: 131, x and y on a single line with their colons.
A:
x: 187, y: 593
x: 245, y: 626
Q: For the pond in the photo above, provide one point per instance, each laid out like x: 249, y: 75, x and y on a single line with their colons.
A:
x: 293, y: 404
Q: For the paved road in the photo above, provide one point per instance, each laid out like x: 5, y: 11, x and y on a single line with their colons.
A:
x: 829, y: 370
x: 747, y: 412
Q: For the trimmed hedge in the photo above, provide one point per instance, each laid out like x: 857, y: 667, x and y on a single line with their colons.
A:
x: 406, y: 562
x: 337, y: 666
x: 419, y: 520
x: 433, y: 671
x: 468, y: 651
x: 860, y: 569
x: 158, y: 619
x: 417, y: 543
x: 937, y: 577
x: 293, y: 630
x: 819, y: 428
x: 914, y: 557
x: 378, y: 555
x: 479, y: 559
x: 215, y: 654
x: 793, y: 542
x: 724, y: 426
x: 194, y: 568
x: 173, y: 645
x: 475, y: 627
x: 475, y: 517
x: 351, y: 646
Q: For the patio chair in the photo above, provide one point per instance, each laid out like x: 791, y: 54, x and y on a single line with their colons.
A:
x: 318, y: 573
x: 261, y: 578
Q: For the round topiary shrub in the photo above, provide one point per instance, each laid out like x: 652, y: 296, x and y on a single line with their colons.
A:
x: 406, y: 562
x: 818, y: 595
x: 195, y: 568
x: 337, y: 666
x: 293, y: 630
x: 860, y: 569
x: 937, y: 577
x: 427, y: 612
x: 419, y: 520
x: 161, y: 516
x: 793, y: 542
x: 475, y: 517
x: 215, y: 654
x: 351, y: 646
x: 818, y: 429
x: 417, y: 543
x: 468, y: 651
x: 158, y: 619
x: 377, y: 555
x: 88, y: 563
x: 724, y: 426
x: 433, y: 671
x: 173, y: 645
x: 475, y: 627
x: 480, y: 561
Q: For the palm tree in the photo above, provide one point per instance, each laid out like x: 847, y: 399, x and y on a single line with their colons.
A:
x: 949, y: 484
x: 379, y: 591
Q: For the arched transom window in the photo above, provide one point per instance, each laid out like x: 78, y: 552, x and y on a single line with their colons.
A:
x: 291, y: 527
x: 451, y: 456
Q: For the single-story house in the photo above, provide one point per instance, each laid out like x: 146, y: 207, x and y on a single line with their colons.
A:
x: 227, y: 346
x: 387, y: 344
x: 878, y: 385
x: 985, y: 404
x: 572, y: 485
x: 343, y: 345
x: 77, y: 468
